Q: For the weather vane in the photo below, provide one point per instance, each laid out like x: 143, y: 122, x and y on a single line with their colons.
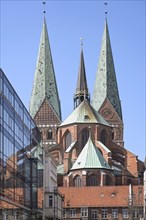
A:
x: 44, y: 3
x: 81, y: 40
x: 105, y: 8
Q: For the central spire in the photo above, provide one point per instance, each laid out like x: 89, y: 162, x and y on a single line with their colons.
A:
x: 81, y: 88
x: 45, y: 86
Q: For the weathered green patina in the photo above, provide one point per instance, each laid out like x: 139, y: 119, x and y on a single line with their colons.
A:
x: 90, y: 157
x: 84, y: 113
x: 106, y: 83
x: 44, y: 85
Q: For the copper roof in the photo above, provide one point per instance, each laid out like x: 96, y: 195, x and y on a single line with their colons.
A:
x: 90, y: 158
x: 84, y: 113
x: 106, y: 83
x: 44, y: 85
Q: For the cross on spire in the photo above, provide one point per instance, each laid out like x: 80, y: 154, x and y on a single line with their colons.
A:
x: 81, y: 40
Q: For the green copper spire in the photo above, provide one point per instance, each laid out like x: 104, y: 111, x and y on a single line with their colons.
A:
x: 44, y: 85
x: 90, y: 158
x: 106, y: 83
x: 82, y: 88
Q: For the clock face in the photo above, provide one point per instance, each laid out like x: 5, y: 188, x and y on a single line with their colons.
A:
x: 106, y: 113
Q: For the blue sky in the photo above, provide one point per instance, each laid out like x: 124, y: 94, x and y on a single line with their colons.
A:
x: 67, y: 21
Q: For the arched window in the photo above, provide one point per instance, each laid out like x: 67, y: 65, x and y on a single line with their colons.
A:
x: 92, y: 180
x: 84, y: 136
x: 50, y: 135
x: 103, y: 137
x: 77, y: 181
x: 108, y: 180
x: 68, y: 140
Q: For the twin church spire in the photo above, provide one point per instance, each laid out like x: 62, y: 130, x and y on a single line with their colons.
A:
x: 106, y: 84
x: 45, y: 86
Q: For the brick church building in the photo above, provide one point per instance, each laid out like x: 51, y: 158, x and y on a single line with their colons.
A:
x: 99, y: 178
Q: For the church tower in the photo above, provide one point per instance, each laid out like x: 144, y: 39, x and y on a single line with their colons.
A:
x: 81, y: 88
x: 105, y: 97
x: 44, y: 102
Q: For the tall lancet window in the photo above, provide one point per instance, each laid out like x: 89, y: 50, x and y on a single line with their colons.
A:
x: 77, y: 181
x: 103, y: 137
x: 68, y: 140
x: 84, y: 136
x: 92, y: 180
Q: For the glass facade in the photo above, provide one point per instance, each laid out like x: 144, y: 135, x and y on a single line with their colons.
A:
x: 20, y: 158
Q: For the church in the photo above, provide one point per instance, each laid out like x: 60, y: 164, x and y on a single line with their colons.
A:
x: 98, y: 177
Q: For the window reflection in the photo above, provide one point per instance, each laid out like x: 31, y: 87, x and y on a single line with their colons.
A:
x: 20, y: 150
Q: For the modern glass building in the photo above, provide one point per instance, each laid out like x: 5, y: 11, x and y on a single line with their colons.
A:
x: 21, y: 159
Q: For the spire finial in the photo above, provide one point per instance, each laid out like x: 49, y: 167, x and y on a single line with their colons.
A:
x: 105, y: 3
x: 81, y: 40
x: 44, y: 4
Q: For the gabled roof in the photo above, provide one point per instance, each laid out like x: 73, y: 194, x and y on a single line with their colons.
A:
x: 84, y: 113
x: 106, y: 83
x: 46, y: 118
x: 44, y: 85
x: 90, y: 157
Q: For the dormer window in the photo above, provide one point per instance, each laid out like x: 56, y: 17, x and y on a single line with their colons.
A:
x: 86, y: 117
